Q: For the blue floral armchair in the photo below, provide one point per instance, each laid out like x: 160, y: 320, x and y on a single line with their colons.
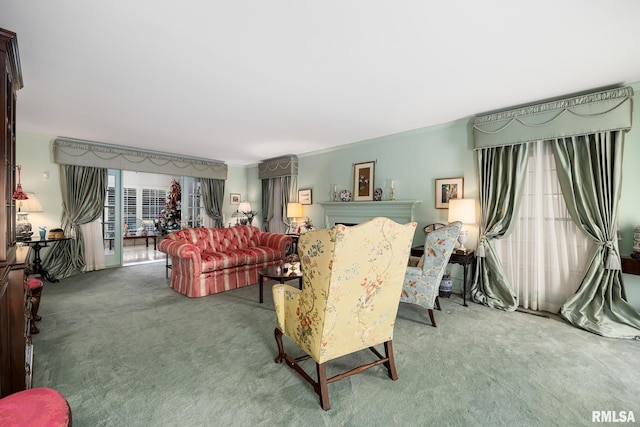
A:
x: 421, y: 282
x: 352, y: 279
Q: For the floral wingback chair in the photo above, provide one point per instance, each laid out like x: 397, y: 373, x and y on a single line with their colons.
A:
x: 421, y: 282
x: 352, y: 278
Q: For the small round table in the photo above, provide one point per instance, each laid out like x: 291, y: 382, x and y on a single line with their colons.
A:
x: 277, y: 273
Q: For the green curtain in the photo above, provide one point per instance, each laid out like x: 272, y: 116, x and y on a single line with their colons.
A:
x: 501, y: 177
x: 267, y: 202
x: 83, y: 199
x: 289, y: 191
x: 212, y: 191
x: 590, y: 173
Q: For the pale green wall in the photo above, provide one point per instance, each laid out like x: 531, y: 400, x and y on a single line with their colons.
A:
x: 413, y: 159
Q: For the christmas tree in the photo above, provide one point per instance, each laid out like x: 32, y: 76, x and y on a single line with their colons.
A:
x: 170, y: 217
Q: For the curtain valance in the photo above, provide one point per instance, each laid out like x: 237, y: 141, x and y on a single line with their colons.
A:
x: 86, y: 153
x: 277, y: 167
x: 585, y: 114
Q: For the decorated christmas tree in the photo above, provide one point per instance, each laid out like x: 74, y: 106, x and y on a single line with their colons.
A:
x: 170, y: 217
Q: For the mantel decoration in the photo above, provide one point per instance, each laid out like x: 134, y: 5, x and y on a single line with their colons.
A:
x: 447, y: 189
x: 170, y: 217
x: 363, y: 175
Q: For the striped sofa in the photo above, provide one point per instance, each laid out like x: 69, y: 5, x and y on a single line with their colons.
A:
x: 210, y: 260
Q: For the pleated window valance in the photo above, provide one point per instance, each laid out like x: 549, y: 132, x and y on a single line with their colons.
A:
x: 277, y: 167
x: 85, y: 153
x: 585, y: 114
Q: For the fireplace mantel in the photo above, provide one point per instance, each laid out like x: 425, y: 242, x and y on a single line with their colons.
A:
x: 401, y: 211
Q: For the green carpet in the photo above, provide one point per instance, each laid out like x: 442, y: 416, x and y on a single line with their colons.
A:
x: 126, y: 350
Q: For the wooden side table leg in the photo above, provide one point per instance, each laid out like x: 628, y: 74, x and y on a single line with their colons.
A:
x: 464, y: 285
x: 261, y: 281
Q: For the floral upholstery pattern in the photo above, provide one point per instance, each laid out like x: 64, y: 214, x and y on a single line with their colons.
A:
x: 421, y: 284
x: 210, y: 260
x: 352, y: 279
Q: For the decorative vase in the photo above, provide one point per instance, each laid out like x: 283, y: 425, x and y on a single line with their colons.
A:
x: 43, y: 233
x: 446, y: 285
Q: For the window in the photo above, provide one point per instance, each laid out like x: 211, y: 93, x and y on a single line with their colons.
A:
x: 129, y: 208
x: 545, y: 253
x: 153, y: 201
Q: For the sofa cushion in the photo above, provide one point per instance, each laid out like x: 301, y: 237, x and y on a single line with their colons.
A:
x: 219, y: 260
x: 261, y: 254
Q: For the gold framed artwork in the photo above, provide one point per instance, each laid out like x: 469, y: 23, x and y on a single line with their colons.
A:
x: 447, y: 189
x: 363, y: 174
x: 304, y: 197
x: 235, y: 198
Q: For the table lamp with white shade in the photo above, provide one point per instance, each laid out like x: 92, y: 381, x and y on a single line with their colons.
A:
x: 25, y: 206
x: 245, y: 209
x: 463, y: 210
x: 294, y: 211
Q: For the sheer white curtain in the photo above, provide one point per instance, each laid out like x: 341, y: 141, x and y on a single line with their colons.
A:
x: 93, y: 246
x: 544, y: 256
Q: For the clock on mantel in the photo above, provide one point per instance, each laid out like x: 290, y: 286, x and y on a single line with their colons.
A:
x: 400, y: 211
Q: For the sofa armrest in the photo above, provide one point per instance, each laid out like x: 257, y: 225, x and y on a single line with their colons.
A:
x: 275, y: 240
x: 182, y: 252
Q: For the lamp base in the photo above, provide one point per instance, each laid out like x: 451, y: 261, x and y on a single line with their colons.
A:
x: 462, y: 239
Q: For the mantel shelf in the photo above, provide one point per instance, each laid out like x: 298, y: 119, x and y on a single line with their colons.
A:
x: 400, y: 211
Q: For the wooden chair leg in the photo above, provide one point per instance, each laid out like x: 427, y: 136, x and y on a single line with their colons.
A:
x: 278, y: 334
x: 438, y: 303
x: 433, y: 319
x: 391, y: 364
x: 321, y: 369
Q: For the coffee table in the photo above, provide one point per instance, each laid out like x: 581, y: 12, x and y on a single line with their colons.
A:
x: 277, y: 273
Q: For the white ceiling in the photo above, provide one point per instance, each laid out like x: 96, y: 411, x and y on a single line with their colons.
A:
x: 246, y: 80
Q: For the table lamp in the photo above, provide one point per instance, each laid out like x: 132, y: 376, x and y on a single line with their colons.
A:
x: 463, y: 210
x: 294, y: 211
x: 25, y: 206
x: 245, y: 208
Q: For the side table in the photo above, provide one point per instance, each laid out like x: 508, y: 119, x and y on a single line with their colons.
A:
x: 38, y: 244
x: 630, y: 265
x: 277, y: 273
x: 465, y: 259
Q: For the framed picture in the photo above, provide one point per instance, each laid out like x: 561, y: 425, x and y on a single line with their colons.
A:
x: 447, y: 189
x: 235, y: 199
x: 304, y: 197
x: 363, y: 174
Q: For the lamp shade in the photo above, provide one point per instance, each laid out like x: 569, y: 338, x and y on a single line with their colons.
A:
x: 32, y: 204
x: 294, y: 210
x: 463, y: 210
x: 244, y: 206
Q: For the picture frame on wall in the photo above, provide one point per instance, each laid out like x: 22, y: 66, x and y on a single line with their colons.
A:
x: 304, y: 197
x: 363, y: 185
x: 447, y: 189
x: 234, y: 198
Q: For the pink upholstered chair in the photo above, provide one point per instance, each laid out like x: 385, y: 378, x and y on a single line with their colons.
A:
x: 36, y: 407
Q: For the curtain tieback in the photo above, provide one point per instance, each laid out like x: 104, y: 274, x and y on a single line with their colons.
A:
x: 480, y: 249
x: 613, y: 259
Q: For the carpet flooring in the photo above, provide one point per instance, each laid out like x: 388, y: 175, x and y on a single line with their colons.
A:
x: 126, y: 350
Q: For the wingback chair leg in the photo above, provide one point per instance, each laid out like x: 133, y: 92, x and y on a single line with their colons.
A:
x: 433, y: 319
x: 323, y: 391
x: 278, y: 334
x: 438, y: 303
x: 391, y: 363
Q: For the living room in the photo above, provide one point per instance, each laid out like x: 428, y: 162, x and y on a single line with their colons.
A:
x: 410, y: 160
